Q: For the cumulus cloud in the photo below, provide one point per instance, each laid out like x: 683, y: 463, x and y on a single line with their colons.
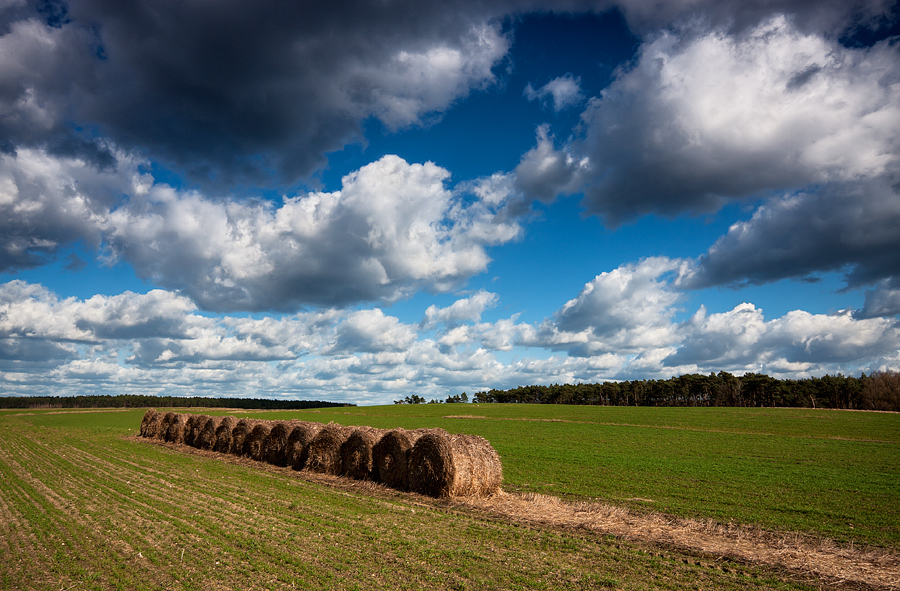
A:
x: 842, y: 226
x: 707, y: 118
x: 562, y: 92
x: 464, y: 310
x: 232, y: 91
x: 393, y: 229
x: 545, y: 171
x: 881, y: 301
x: 158, y: 342
x: 742, y: 338
x: 625, y: 309
x: 48, y: 202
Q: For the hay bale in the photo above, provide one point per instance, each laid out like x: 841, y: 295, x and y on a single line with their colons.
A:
x: 207, y: 437
x: 147, y: 421
x: 275, y: 445
x: 154, y: 425
x: 223, y: 435
x: 239, y: 434
x: 390, y: 457
x: 256, y: 439
x: 297, y: 447
x: 445, y: 465
x: 196, y: 428
x: 189, y: 430
x: 164, y: 425
x: 175, y: 432
x: 325, y: 449
x: 356, y: 453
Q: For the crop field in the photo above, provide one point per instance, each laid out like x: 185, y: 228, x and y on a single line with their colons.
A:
x: 85, y: 504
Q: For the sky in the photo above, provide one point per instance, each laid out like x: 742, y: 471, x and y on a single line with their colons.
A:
x: 361, y: 200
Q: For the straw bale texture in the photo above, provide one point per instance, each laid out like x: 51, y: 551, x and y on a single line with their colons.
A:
x: 325, y: 449
x: 275, y: 445
x: 445, y: 465
x: 196, y: 428
x: 175, y: 432
x: 150, y: 418
x: 390, y: 457
x: 239, y: 434
x: 207, y: 437
x: 189, y: 430
x: 164, y: 425
x: 297, y: 447
x: 255, y: 441
x: 223, y: 435
x: 356, y: 453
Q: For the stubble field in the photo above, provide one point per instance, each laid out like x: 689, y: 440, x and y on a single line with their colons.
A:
x: 650, y: 499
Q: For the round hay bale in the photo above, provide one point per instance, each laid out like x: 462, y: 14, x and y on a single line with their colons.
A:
x: 175, y: 432
x: 239, y: 434
x: 164, y: 425
x: 207, y: 437
x: 445, y: 465
x: 296, y: 449
x: 325, y: 449
x: 275, y: 445
x: 147, y: 421
x: 189, y: 430
x: 256, y: 439
x: 154, y: 425
x: 356, y: 453
x: 196, y: 428
x: 390, y: 458
x: 223, y: 435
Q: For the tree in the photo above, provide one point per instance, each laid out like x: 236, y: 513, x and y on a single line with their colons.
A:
x: 881, y: 391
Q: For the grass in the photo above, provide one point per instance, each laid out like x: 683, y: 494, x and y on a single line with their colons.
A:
x: 84, y: 507
x: 820, y: 472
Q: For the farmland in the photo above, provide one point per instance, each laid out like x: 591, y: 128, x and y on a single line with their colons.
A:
x: 86, y: 505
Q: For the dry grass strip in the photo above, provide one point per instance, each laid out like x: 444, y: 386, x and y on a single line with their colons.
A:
x: 821, y: 558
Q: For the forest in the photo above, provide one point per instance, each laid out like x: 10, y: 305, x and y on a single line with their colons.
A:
x: 877, y: 391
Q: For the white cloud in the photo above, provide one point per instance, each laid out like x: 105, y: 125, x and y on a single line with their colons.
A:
x: 545, y: 172
x: 158, y: 343
x: 704, y: 117
x: 393, y: 229
x: 810, y: 344
x: 47, y: 202
x: 464, y: 310
x: 626, y: 309
x: 371, y: 331
x: 413, y: 84
x: 564, y: 92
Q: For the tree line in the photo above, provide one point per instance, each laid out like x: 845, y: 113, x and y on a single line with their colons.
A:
x: 141, y: 401
x: 877, y: 391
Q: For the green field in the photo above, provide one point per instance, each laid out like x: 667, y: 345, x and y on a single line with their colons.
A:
x: 825, y: 472
x: 84, y: 506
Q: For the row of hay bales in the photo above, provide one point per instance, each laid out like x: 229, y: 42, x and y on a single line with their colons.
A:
x: 427, y: 461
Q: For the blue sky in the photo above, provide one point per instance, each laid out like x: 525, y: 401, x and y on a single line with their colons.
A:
x: 370, y: 200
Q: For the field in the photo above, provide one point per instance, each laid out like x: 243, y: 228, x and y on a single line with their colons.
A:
x: 86, y: 505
